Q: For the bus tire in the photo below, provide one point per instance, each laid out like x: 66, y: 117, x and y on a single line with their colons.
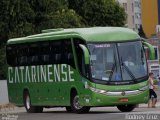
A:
x: 69, y: 109
x: 28, y: 106
x: 75, y: 106
x: 126, y: 108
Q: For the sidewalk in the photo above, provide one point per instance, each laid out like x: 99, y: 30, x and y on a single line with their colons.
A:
x: 158, y: 100
x: 146, y: 105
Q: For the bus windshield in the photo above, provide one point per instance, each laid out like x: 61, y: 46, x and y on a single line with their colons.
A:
x: 117, y: 61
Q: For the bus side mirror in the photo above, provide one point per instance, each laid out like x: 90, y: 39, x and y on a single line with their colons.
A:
x: 151, y: 50
x: 85, y: 53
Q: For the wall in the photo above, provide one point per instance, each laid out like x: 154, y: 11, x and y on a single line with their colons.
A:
x: 3, y: 92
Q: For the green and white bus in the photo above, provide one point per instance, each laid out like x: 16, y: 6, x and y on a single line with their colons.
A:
x: 78, y: 68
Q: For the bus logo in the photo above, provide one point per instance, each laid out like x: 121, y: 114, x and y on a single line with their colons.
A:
x: 123, y: 93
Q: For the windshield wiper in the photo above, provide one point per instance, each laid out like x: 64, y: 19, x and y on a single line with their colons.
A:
x: 112, y: 71
x: 128, y: 70
x: 142, y: 56
x: 113, y: 67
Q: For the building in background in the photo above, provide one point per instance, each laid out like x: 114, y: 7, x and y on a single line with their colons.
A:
x: 133, y: 11
x: 150, y: 13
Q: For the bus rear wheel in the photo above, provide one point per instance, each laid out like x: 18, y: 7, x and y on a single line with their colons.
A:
x: 27, y: 104
x: 76, y: 107
x: 126, y: 108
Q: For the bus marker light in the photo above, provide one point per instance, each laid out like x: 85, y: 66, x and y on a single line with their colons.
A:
x: 98, y: 100
x: 123, y: 99
x: 87, y: 100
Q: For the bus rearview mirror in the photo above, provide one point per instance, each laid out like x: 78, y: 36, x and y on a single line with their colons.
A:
x: 151, y: 50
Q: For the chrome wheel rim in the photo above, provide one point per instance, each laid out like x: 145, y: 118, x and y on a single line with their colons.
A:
x: 76, y: 103
x: 28, y: 102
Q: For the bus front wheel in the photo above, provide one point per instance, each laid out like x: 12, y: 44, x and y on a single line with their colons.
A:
x: 76, y: 107
x: 27, y: 104
x: 126, y: 108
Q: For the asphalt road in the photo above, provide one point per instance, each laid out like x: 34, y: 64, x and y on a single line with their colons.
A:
x: 103, y: 113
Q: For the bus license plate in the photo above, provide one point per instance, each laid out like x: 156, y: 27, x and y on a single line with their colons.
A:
x: 123, y: 99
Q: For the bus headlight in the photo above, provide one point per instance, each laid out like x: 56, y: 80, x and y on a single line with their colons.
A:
x: 97, y: 90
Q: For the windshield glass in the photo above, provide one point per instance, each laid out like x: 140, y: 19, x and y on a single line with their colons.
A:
x: 117, y: 61
x: 132, y: 60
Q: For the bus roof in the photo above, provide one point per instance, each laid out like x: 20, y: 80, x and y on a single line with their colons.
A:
x: 93, y: 34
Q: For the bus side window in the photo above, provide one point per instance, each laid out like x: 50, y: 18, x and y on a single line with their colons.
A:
x: 57, y: 58
x: 16, y: 62
x: 79, y: 53
x: 11, y: 55
x: 33, y: 54
x: 61, y: 52
x: 22, y: 55
x: 68, y: 53
x: 55, y: 52
x: 44, y: 51
x: 51, y: 54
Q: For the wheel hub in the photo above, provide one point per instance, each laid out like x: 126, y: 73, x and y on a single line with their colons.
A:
x: 77, y: 103
x: 28, y: 102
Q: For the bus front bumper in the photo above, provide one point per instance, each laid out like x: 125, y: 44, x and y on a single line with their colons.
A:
x: 114, y: 98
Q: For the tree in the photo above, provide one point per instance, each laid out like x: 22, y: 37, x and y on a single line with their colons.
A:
x: 24, y: 17
x: 66, y: 18
x: 54, y: 14
x: 3, y: 65
x: 16, y: 18
x: 99, y: 12
x: 141, y: 32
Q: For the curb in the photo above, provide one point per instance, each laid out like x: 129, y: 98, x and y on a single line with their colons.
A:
x: 146, y: 105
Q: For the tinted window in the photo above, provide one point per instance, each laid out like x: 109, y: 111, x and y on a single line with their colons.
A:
x: 79, y: 52
x: 50, y: 52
